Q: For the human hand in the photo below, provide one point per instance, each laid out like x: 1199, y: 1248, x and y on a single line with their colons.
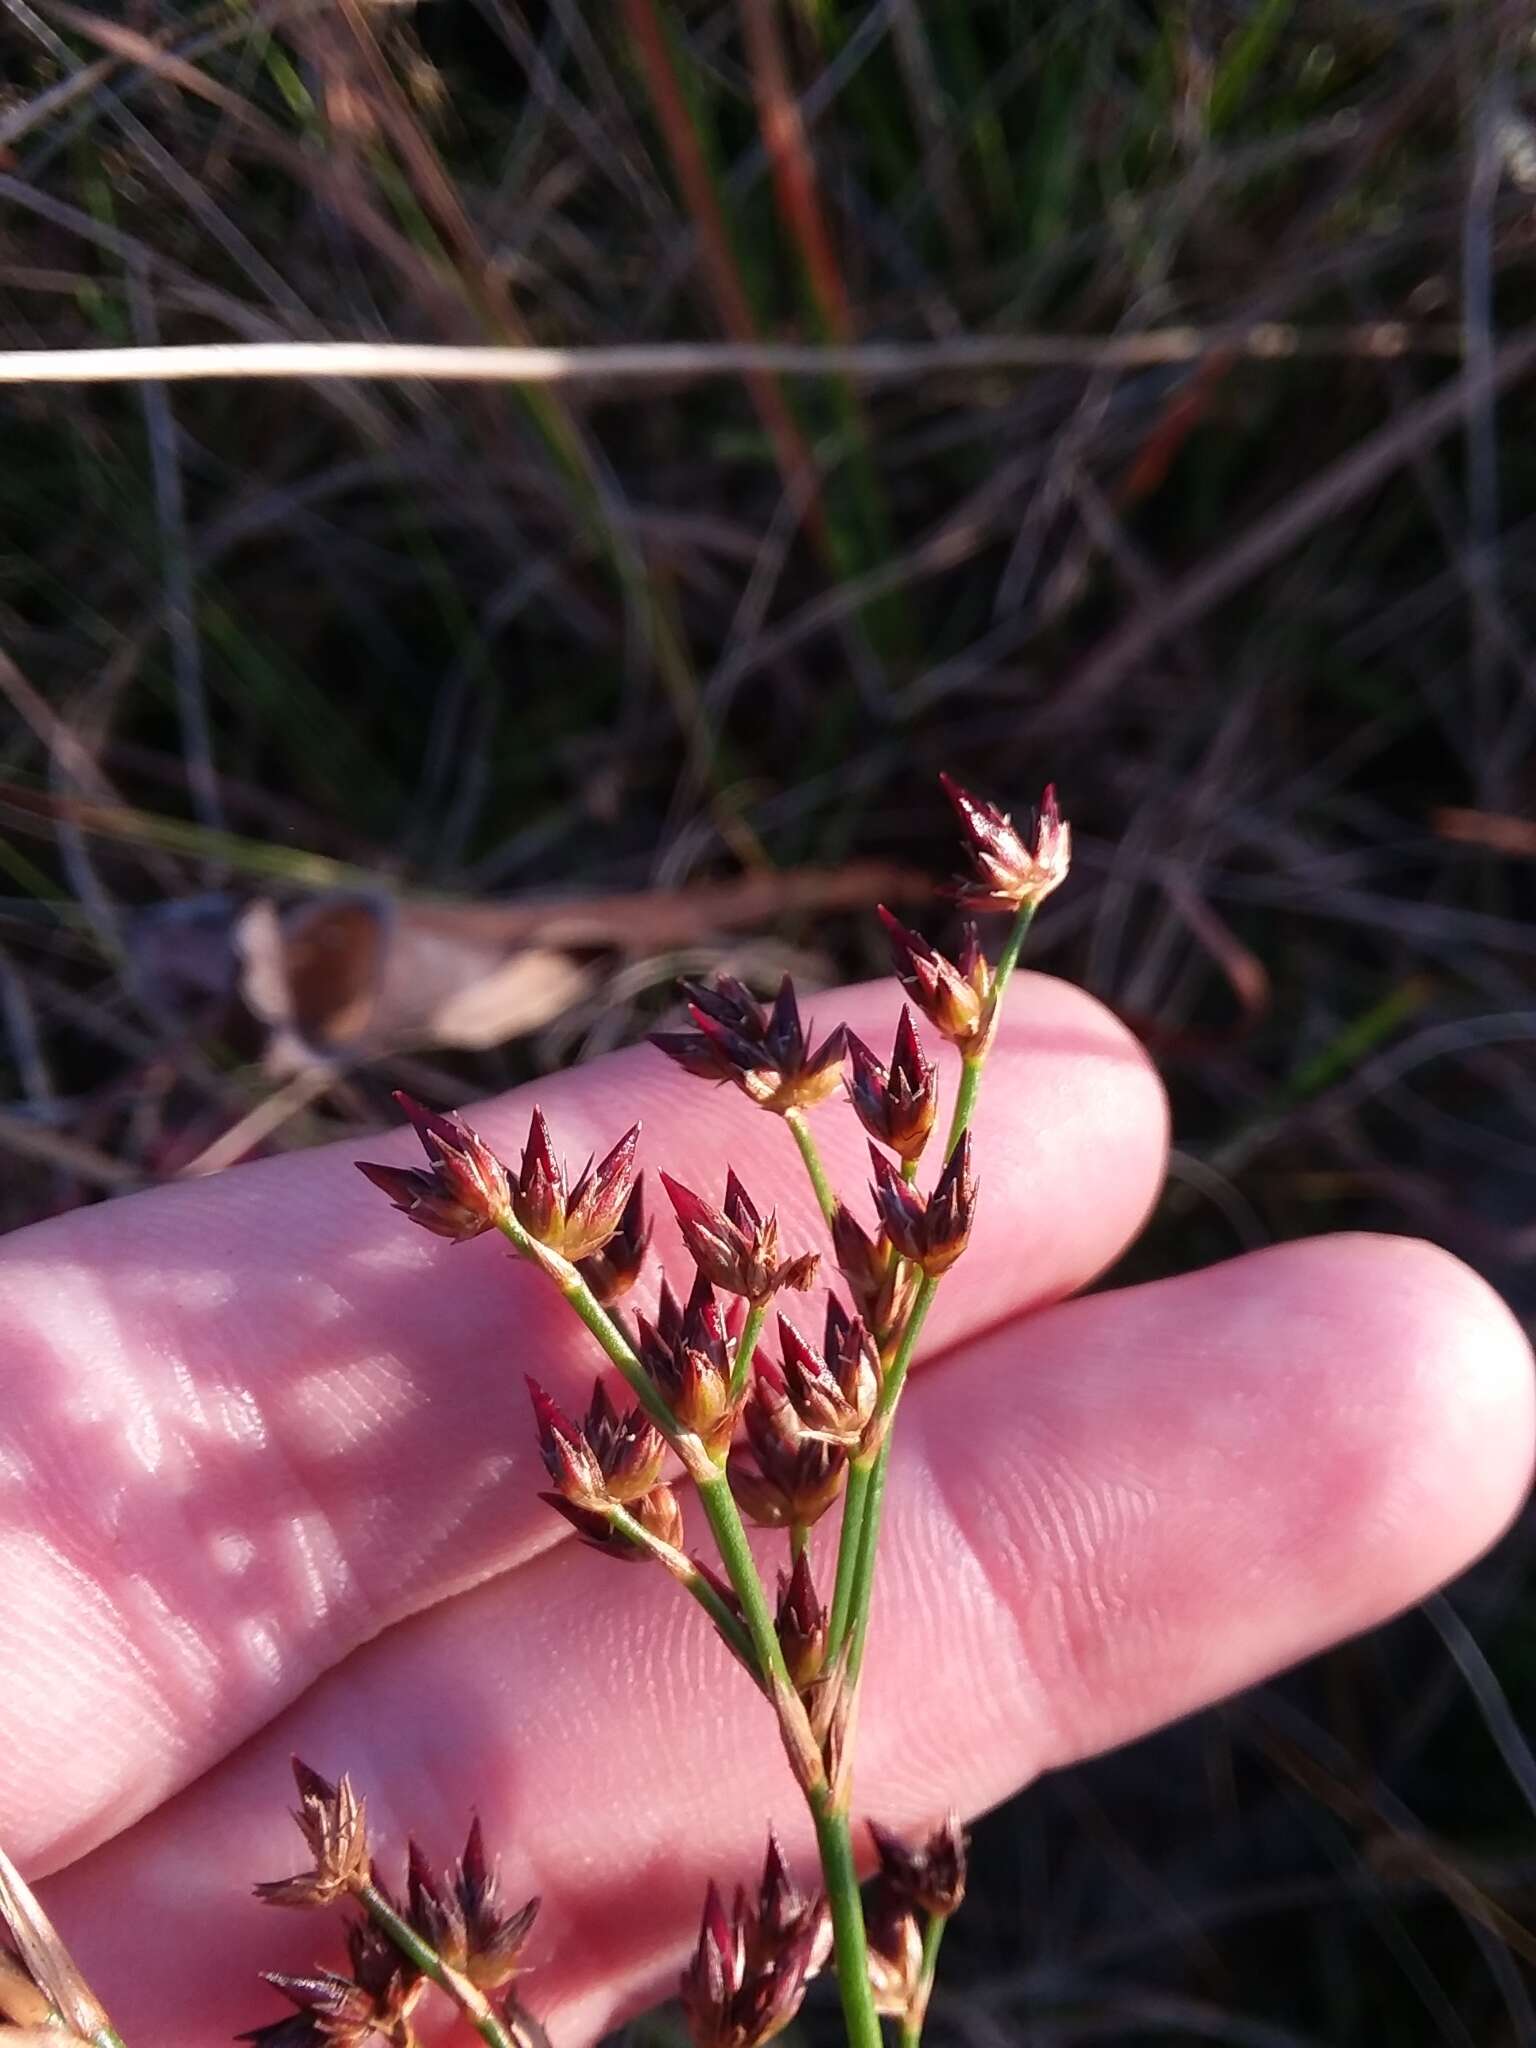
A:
x: 259, y: 1439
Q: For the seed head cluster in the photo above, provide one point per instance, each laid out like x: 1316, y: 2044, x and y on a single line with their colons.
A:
x: 781, y: 1429
x: 459, y: 1918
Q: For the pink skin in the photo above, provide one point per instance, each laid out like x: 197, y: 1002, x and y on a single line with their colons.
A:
x: 260, y: 1438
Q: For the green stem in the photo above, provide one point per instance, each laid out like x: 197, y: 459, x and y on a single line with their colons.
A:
x: 799, y: 1541
x: 472, y: 2002
x: 832, y: 1833
x: 598, y: 1321
x: 690, y: 1578
x: 741, y: 1365
x: 863, y: 1568
x: 719, y: 1505
x: 850, y: 1539
x: 912, y: 2025
x: 851, y: 1947
x: 801, y: 1130
x: 720, y: 1509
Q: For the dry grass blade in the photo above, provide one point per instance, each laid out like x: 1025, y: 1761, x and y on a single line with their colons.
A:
x: 51, y: 1966
x: 661, y: 361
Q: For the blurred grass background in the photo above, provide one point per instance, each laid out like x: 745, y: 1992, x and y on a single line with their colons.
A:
x: 1263, y: 609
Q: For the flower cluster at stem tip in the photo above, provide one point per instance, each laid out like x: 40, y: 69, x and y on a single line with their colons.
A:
x: 772, y: 1414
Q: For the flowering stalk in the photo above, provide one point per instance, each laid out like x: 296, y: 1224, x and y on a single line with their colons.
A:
x: 817, y: 1422
x: 800, y: 1131
x: 861, y: 1566
x: 912, y: 2025
x: 746, y: 1347
x: 832, y: 1832
x: 692, y: 1580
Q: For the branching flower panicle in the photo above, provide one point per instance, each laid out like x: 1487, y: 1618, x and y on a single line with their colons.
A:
x: 816, y: 1427
x: 764, y: 1053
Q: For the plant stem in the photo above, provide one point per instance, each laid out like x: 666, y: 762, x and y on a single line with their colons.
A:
x: 801, y: 1131
x: 597, y: 1320
x: 719, y: 1506
x: 850, y: 1540
x: 470, y: 2000
x: 690, y: 1578
x: 832, y: 1833
x: 851, y: 1949
x: 863, y: 1567
x: 912, y: 2026
x: 751, y: 1330
x: 799, y: 1541
x: 730, y: 1536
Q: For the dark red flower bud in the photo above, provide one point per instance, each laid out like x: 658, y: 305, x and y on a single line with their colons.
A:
x: 433, y: 1909
x: 493, y: 1940
x: 750, y: 1969
x: 765, y: 1054
x: 575, y: 1222
x: 734, y: 1247
x: 783, y: 1911
x: 790, y: 1478
x: 1009, y: 873
x: 463, y: 1191
x: 610, y: 1458
x: 568, y: 1457
x: 930, y: 1230
x: 832, y: 1397
x: 929, y: 1877
x: 657, y: 1512
x: 880, y: 1284
x: 951, y: 1210
x: 957, y: 1001
x: 613, y: 1271
x: 896, y: 1105
x: 801, y: 1621
x: 688, y: 1354
x: 629, y: 1448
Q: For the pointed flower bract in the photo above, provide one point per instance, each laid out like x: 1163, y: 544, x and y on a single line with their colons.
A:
x: 764, y: 1053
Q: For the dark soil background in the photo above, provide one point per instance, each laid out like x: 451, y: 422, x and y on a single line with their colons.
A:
x: 297, y: 670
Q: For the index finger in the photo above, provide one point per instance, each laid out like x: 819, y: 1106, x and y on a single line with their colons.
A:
x: 251, y: 1422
